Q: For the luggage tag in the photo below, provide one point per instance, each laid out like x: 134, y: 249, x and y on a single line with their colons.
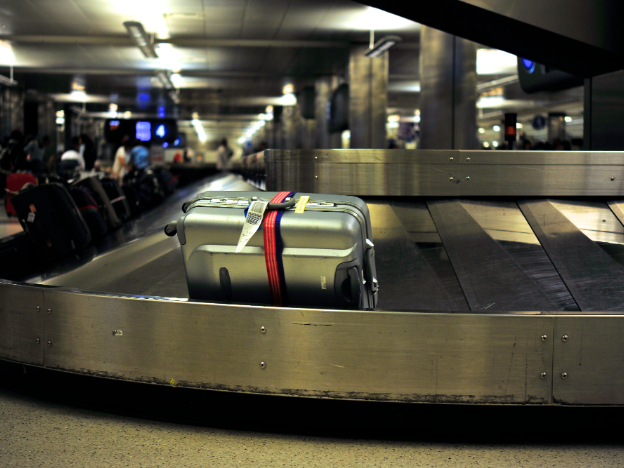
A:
x: 252, y: 223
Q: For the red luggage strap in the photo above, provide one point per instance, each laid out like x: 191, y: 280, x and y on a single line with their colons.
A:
x: 273, y: 251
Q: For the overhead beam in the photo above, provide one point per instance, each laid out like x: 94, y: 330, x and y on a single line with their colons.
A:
x: 582, y: 37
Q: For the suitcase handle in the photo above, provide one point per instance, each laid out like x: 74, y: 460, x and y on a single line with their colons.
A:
x: 282, y: 206
x: 171, y: 228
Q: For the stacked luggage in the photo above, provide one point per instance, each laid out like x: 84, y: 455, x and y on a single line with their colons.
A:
x: 61, y: 217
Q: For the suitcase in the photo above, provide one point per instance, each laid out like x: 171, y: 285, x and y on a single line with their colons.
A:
x: 117, y: 198
x: 90, y: 211
x: 51, y: 218
x: 318, y: 254
x: 93, y: 185
x: 14, y: 183
x: 168, y: 181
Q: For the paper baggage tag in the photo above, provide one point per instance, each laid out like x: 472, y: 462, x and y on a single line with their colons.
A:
x: 252, y: 223
x: 31, y: 217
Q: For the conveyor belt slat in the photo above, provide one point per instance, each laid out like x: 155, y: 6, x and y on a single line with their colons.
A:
x: 490, y: 278
x: 595, y: 280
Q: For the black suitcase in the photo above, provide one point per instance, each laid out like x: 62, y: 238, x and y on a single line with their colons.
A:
x: 94, y: 186
x: 51, y: 218
x: 168, y: 181
x: 117, y: 198
x: 90, y: 211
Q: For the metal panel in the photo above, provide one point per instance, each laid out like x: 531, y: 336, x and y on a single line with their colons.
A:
x: 491, y: 280
x: 594, y: 279
x: 447, y: 172
x: 408, y: 357
x: 588, y: 350
x: 21, y: 323
x: 407, y: 281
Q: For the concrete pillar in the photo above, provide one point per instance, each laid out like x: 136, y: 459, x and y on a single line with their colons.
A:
x: 448, y: 91
x: 368, y: 98
x: 323, y: 88
x: 12, y: 111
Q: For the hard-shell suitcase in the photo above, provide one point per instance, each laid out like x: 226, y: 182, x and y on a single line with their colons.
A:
x: 318, y: 253
x: 94, y: 186
x: 117, y: 198
x: 51, y: 218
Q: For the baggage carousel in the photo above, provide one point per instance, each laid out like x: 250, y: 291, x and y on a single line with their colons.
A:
x: 501, y: 282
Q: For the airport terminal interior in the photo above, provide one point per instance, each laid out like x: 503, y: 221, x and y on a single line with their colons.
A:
x: 311, y: 233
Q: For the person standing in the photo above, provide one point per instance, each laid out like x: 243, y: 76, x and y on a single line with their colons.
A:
x: 224, y: 153
x: 72, y: 159
x: 119, y: 166
x: 138, y: 158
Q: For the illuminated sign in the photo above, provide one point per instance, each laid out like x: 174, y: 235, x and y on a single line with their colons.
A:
x: 114, y: 124
x: 143, y: 131
x: 161, y: 131
x: 529, y: 65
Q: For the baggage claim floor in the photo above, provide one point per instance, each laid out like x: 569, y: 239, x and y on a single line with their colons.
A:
x: 57, y: 419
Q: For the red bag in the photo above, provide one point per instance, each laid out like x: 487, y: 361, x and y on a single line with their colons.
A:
x: 15, y: 182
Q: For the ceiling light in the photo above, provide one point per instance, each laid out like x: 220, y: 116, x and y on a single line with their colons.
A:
x: 518, y: 125
x: 140, y: 38
x: 394, y: 118
x: 164, y: 78
x: 486, y: 144
x: 481, y: 130
x: 241, y: 140
x: 496, y: 128
x: 288, y: 89
x: 568, y: 118
x: 112, y: 107
x: 127, y: 114
x: 382, y: 45
x: 79, y: 95
x: 289, y: 100
x: 495, y: 144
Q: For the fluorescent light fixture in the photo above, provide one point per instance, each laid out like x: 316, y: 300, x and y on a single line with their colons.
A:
x: 568, y: 118
x: 241, y: 141
x: 496, y: 128
x: 79, y: 95
x: 382, y: 45
x: 518, y: 125
x: 394, y: 118
x: 199, y: 129
x: 164, y: 78
x: 140, y: 38
x: 7, y: 81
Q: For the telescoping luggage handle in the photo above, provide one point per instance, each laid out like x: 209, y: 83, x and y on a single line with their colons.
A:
x: 270, y: 207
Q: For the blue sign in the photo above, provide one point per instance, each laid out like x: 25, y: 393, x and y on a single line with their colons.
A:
x: 143, y: 131
x: 161, y: 131
x: 529, y: 65
x: 539, y: 122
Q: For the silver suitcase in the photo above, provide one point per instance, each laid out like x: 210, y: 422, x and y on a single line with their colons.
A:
x: 314, y: 254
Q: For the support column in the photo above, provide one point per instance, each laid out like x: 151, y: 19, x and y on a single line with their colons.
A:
x: 368, y: 99
x: 12, y: 111
x: 448, y: 91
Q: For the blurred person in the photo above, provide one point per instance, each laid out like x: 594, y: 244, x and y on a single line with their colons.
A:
x: 13, y: 157
x: 32, y: 149
x: 562, y: 145
x: 526, y: 145
x: 224, y: 153
x: 138, y: 158
x: 72, y: 158
x: 87, y: 150
x: 119, y: 166
x: 48, y: 151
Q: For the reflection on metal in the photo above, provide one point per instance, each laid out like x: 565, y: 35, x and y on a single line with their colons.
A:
x: 592, y: 276
x: 410, y: 357
x: 448, y: 91
x: 368, y: 98
x: 447, y: 172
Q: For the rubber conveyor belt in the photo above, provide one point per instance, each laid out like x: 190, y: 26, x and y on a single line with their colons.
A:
x: 440, y: 255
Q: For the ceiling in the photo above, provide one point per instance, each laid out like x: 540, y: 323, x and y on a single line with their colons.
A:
x: 228, y: 58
